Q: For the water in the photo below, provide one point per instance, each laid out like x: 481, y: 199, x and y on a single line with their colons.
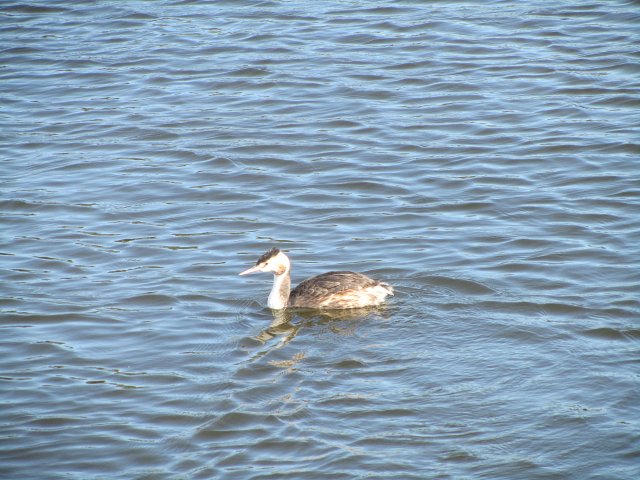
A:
x: 482, y: 157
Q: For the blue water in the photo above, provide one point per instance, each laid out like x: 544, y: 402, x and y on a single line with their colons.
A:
x: 481, y: 157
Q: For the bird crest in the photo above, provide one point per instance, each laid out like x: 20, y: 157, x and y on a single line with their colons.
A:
x: 268, y: 255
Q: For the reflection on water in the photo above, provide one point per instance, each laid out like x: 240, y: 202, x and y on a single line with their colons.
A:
x: 281, y: 326
x: 287, y: 322
x: 481, y: 157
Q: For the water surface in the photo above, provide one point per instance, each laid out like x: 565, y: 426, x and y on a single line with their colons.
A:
x: 482, y: 157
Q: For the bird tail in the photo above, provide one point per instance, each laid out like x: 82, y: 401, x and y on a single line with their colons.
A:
x: 387, y: 287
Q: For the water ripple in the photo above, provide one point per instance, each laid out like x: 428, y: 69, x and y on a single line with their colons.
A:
x: 479, y: 157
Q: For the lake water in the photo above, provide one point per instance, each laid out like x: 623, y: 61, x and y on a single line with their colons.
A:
x: 482, y: 157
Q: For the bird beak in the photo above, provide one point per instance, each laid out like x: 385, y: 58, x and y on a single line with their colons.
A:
x: 251, y: 270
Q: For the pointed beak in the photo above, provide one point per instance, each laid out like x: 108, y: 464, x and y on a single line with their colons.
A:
x: 251, y: 270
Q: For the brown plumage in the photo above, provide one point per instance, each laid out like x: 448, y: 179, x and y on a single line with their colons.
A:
x: 335, y: 290
x: 328, y: 290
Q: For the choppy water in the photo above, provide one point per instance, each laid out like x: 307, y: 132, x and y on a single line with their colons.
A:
x: 480, y: 156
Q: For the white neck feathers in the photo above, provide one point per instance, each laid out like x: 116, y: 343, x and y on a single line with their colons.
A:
x: 279, y: 295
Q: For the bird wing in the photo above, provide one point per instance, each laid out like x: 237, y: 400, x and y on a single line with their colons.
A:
x: 315, y: 289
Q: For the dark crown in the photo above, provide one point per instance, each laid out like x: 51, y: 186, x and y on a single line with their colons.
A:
x: 271, y: 253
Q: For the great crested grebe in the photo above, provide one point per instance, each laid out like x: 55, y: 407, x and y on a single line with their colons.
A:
x: 328, y: 290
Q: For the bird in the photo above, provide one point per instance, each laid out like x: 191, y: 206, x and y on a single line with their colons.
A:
x: 331, y: 290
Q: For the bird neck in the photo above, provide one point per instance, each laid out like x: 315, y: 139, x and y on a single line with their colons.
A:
x: 279, y: 295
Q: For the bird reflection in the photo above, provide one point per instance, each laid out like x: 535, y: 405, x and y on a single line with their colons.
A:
x: 284, y: 326
x: 281, y: 326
